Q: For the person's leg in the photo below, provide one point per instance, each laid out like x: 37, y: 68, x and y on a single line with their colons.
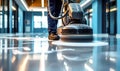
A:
x: 52, y: 24
x: 58, y: 4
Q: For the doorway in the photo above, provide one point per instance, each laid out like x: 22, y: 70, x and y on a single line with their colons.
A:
x: 111, y: 17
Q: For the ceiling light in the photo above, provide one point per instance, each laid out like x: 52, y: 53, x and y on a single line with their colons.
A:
x: 25, y: 5
x: 13, y: 8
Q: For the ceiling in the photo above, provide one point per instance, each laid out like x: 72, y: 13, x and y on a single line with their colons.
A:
x: 41, y: 3
x: 36, y: 3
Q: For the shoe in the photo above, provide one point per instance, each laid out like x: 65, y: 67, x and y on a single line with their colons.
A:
x: 53, y: 36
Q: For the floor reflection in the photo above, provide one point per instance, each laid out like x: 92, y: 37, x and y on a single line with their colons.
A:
x: 36, y: 53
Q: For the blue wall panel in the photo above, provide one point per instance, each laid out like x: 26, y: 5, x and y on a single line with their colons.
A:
x: 118, y: 16
x: 28, y: 21
x: 112, y: 23
x: 10, y: 16
x: 97, y: 16
x: 20, y: 21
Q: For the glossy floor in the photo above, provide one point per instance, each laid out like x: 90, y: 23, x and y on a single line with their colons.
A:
x: 30, y: 52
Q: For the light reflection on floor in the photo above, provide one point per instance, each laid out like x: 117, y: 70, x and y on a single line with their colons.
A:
x: 28, y: 52
x: 80, y: 44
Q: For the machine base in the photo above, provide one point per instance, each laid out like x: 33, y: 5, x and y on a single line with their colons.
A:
x: 76, y: 33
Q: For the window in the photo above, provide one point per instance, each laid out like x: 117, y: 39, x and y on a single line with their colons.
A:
x: 37, y: 21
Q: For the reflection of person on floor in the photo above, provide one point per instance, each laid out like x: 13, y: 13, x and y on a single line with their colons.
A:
x: 77, y: 57
x: 52, y: 63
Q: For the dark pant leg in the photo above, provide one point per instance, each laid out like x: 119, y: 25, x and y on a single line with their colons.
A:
x: 57, y: 8
x: 52, y: 24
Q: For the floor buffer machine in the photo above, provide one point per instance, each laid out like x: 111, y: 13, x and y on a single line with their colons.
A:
x: 74, y: 28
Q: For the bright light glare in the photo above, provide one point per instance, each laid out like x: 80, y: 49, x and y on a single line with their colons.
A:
x: 88, y: 67
x: 111, y: 69
x: 91, y: 61
x: 85, y: 3
x: 26, y: 48
x: 59, y: 56
x: 13, y: 59
x: 13, y: 8
x: 25, y: 5
x: 66, y: 66
x: 112, y: 59
x: 23, y: 64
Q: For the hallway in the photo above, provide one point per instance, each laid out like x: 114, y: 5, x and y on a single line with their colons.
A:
x: 24, y: 44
